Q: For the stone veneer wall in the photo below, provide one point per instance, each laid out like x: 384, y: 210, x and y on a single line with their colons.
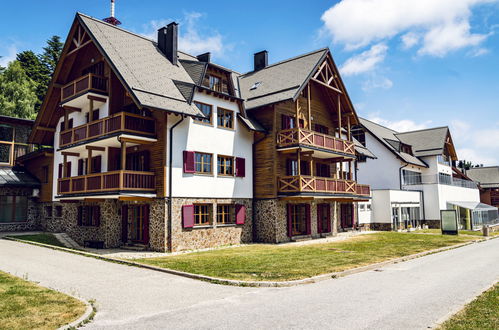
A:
x: 33, y: 213
x: 209, y: 236
x: 271, y: 219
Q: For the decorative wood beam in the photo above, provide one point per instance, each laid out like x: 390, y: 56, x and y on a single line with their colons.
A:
x: 137, y: 141
x: 95, y: 148
x: 71, y: 109
x: 78, y: 48
x: 72, y: 154
x: 96, y: 98
x: 134, y: 198
x: 326, y: 85
x: 48, y: 129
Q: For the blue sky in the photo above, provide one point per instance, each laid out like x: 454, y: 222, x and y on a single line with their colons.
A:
x: 406, y: 64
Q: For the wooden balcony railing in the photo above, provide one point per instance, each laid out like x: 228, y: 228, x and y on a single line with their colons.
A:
x: 295, y: 136
x: 302, y: 183
x: 123, y: 121
x: 107, y: 181
x: 89, y: 82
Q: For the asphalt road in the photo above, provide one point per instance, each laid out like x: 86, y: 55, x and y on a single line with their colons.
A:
x: 409, y: 295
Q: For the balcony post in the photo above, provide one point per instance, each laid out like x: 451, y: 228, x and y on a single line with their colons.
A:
x: 349, y: 131
x: 350, y: 170
x: 65, y: 166
x: 91, y: 112
x: 66, y: 119
x: 309, y: 108
x: 123, y: 155
x: 339, y: 116
x: 89, y: 161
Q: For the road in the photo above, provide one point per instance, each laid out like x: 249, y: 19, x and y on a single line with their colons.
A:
x: 410, y: 295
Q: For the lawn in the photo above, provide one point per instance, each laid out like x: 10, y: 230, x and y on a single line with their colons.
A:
x: 262, y: 262
x: 461, y: 232
x: 40, y: 238
x: 482, y: 313
x: 25, y: 305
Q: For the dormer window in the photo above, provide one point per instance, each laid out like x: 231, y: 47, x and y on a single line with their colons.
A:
x: 216, y: 83
x: 406, y: 149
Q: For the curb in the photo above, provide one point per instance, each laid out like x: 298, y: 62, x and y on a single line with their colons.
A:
x: 84, y: 319
x: 223, y: 281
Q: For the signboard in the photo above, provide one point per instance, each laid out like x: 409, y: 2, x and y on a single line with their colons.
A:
x: 448, y: 222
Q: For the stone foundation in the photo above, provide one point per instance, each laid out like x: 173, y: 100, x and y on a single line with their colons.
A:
x: 271, y: 219
x: 213, y: 235
x: 381, y: 226
x: 432, y: 224
x: 32, y: 221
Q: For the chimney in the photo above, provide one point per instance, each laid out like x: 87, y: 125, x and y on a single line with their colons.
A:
x: 261, y: 60
x: 206, y: 57
x: 111, y: 19
x: 168, y: 40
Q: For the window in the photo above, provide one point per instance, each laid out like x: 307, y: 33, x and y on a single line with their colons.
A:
x: 58, y: 211
x: 298, y: 219
x: 216, y: 83
x: 13, y: 209
x: 89, y: 216
x: 225, y: 118
x: 362, y: 207
x: 359, y: 134
x: 321, y: 129
x: 292, y: 167
x: 203, y: 163
x: 288, y: 122
x: 368, y: 207
x: 225, y: 214
x: 443, y: 159
x: 5, y: 153
x: 444, y: 178
x: 411, y: 177
x: 406, y: 149
x: 206, y: 110
x: 322, y: 170
x: 202, y: 214
x: 226, y: 165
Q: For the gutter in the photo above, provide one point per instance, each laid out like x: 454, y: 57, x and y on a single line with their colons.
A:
x: 170, y: 194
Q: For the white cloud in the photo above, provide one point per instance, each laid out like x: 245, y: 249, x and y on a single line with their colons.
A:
x: 410, y: 40
x: 193, y: 39
x: 478, y: 52
x: 403, y: 125
x: 365, y: 61
x: 375, y: 82
x: 443, y: 24
x: 480, y: 146
x: 475, y: 156
x: 9, y: 56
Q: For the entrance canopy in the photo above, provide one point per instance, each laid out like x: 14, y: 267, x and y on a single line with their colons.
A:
x: 481, y: 214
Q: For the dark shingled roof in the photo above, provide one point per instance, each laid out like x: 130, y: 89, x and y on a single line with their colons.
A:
x: 488, y: 177
x: 425, y: 142
x: 17, y: 177
x: 146, y: 72
x: 280, y: 81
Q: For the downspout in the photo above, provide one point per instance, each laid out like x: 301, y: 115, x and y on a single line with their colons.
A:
x: 253, y: 209
x: 170, y: 194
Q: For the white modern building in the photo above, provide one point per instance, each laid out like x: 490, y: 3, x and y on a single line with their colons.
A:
x: 413, y: 177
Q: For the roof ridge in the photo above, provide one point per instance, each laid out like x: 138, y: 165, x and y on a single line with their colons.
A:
x: 484, y: 167
x: 377, y: 124
x: 424, y: 129
x: 288, y: 60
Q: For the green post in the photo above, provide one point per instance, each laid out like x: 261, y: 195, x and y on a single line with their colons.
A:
x: 468, y: 219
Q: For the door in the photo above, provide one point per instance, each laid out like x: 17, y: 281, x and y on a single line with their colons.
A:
x: 347, y: 215
x: 139, y: 228
x: 395, y: 218
x: 323, y: 218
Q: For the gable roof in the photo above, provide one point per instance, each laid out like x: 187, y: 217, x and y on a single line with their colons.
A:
x: 280, y: 81
x: 426, y: 142
x: 488, y: 177
x: 147, y: 74
x: 387, y: 137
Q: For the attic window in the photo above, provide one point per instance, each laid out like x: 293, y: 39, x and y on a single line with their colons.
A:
x: 256, y: 85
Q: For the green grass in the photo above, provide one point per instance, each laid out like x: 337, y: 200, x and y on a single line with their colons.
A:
x: 25, y: 305
x: 461, y: 232
x: 40, y: 238
x: 279, y: 263
x: 482, y: 313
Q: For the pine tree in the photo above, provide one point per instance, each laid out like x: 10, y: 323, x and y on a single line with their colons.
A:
x: 37, y: 72
x: 17, y: 92
x: 51, y: 53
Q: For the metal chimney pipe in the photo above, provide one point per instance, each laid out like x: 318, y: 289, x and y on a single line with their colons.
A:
x: 112, y: 8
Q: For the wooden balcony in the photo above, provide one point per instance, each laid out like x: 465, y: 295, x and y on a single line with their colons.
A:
x: 311, y: 184
x: 82, y: 85
x: 302, y: 137
x: 107, y: 182
x: 120, y: 122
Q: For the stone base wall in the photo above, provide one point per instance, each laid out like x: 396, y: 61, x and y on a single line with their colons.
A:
x: 32, y: 221
x: 215, y: 234
x: 381, y: 226
x: 432, y: 224
x: 271, y: 219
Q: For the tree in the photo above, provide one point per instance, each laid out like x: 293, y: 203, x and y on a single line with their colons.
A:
x: 51, y: 53
x: 17, y: 92
x: 37, y: 72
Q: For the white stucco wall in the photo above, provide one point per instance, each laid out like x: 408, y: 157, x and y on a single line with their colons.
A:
x: 195, y: 136
x: 383, y: 200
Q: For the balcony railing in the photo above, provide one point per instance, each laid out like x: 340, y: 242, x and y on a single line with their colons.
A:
x: 123, y: 121
x: 87, y: 83
x: 107, y: 181
x: 300, y: 136
x: 302, y: 183
x: 441, y: 178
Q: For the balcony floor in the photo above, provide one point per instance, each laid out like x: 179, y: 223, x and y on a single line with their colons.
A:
x: 106, y: 195
x: 317, y: 151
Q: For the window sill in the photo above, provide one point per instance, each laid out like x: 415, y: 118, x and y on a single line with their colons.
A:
x: 227, y: 128
x: 225, y: 175
x: 227, y: 225
x: 202, y: 227
x: 203, y: 174
x: 202, y: 123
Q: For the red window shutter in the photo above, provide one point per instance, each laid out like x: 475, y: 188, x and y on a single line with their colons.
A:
x: 328, y: 212
x: 290, y: 225
x: 307, y: 215
x: 240, y: 167
x: 240, y: 214
x: 188, y: 216
x: 80, y: 215
x: 319, y: 217
x: 146, y: 223
x: 96, y: 210
x: 189, y: 166
x: 68, y: 170
x: 59, y: 174
x: 80, y: 166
